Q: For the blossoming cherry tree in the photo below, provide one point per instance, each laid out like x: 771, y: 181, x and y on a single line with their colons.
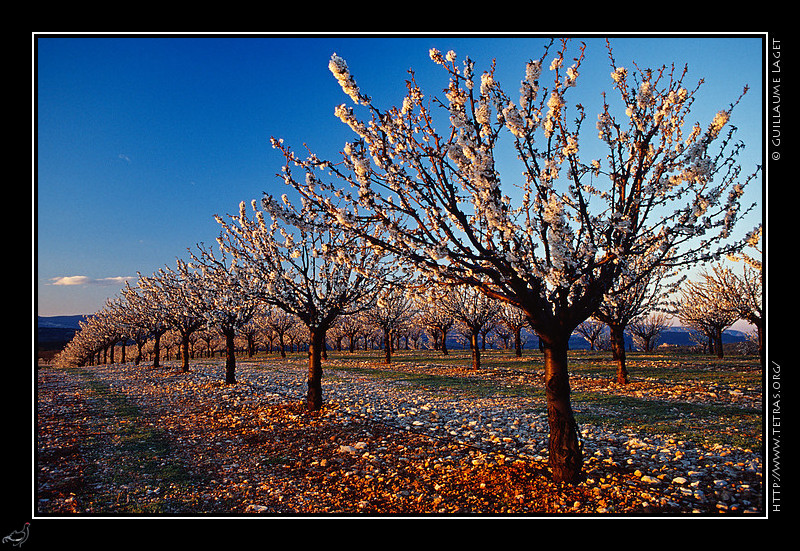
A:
x: 552, y: 238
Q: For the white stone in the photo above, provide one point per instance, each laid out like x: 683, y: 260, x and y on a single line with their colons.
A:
x: 255, y: 508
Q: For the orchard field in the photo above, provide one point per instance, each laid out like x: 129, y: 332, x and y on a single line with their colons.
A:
x: 415, y: 230
x: 426, y: 435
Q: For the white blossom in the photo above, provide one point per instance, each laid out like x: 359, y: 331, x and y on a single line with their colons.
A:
x: 338, y: 67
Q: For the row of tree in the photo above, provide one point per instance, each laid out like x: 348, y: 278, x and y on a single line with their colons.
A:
x: 706, y: 306
x: 412, y: 211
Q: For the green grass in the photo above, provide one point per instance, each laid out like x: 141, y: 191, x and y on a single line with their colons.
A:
x: 714, y: 424
x: 500, y: 372
x: 473, y: 387
x: 672, y: 367
x: 140, y: 454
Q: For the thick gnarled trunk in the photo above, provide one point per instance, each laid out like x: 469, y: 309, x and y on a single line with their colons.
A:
x: 387, y: 346
x: 618, y: 349
x: 476, y: 351
x: 157, y: 348
x: 718, y: 351
x: 185, y: 353
x: 230, y: 358
x: 314, y: 395
x: 566, y: 455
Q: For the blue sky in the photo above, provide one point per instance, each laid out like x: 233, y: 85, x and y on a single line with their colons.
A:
x: 141, y: 140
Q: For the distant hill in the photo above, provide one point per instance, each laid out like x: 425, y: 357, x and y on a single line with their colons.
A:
x: 674, y: 336
x: 63, y: 322
x: 53, y: 332
x: 680, y: 336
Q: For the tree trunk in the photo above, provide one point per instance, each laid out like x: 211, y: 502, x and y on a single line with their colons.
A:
x: 315, y: 343
x: 566, y: 455
x: 157, y: 350
x: 718, y: 343
x: 230, y: 358
x: 618, y: 347
x: 185, y: 353
x: 387, y: 346
x: 518, y: 341
x: 444, y: 343
x: 476, y: 351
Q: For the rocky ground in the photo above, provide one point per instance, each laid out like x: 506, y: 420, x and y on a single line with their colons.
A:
x: 128, y: 440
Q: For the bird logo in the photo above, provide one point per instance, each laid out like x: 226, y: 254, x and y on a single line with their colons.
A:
x: 18, y: 537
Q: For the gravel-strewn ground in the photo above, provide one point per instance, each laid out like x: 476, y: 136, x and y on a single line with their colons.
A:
x: 128, y: 440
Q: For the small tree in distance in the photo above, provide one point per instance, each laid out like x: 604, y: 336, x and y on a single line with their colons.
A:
x: 392, y: 309
x: 590, y: 330
x: 437, y: 320
x: 638, y: 290
x: 280, y: 322
x: 229, y: 301
x: 179, y: 291
x: 574, y: 223
x: 514, y: 320
x: 742, y: 294
x: 701, y: 308
x: 474, y: 310
x: 647, y: 329
x: 316, y: 276
x: 144, y: 311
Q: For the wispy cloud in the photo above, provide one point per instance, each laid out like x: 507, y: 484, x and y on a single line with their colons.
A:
x: 85, y: 280
x: 124, y: 157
